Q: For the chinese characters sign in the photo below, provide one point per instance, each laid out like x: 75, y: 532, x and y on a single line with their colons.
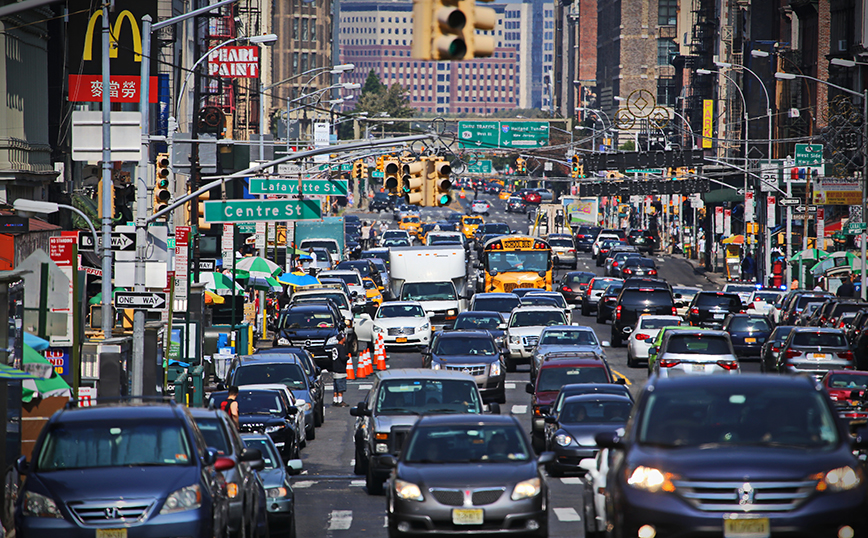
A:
x: 122, y: 89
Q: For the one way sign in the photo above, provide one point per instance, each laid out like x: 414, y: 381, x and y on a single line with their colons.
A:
x: 140, y: 300
x: 123, y: 241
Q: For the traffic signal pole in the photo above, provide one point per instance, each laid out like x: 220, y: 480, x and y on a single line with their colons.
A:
x: 107, y: 317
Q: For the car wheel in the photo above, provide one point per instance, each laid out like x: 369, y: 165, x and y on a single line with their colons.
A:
x: 510, y: 365
x: 586, y: 311
x: 318, y: 416
x: 616, y: 338
x: 393, y: 529
x: 631, y: 362
x: 309, y: 434
x: 360, y: 467
x: 575, y: 265
x: 375, y: 487
x: 601, y: 320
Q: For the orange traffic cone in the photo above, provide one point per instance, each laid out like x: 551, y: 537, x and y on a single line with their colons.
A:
x: 363, y: 368
x: 462, y: 195
x: 369, y: 364
x: 380, y: 352
x: 350, y: 373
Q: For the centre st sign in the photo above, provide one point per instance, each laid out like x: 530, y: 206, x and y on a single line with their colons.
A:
x: 261, y: 210
x: 328, y: 187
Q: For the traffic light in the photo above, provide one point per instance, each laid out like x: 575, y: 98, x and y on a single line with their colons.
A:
x: 478, y: 18
x: 576, y: 166
x: 413, y: 181
x: 392, y: 175
x: 380, y: 163
x: 581, y: 171
x: 162, y: 191
x: 99, y: 188
x: 203, y: 226
x: 447, y: 32
x: 440, y: 172
x: 358, y: 169
x: 521, y: 166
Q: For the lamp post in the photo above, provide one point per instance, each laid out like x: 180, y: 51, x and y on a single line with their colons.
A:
x: 864, y: 97
x: 23, y: 205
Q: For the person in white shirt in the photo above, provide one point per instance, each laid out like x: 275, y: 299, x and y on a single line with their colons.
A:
x: 366, y: 235
x: 313, y: 266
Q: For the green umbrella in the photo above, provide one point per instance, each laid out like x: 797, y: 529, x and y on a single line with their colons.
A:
x: 8, y: 372
x: 34, y: 363
x: 97, y: 299
x: 811, y: 254
x: 257, y: 266
x: 47, y: 383
x: 219, y: 283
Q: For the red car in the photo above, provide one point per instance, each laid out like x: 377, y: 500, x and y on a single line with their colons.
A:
x: 559, y: 369
x: 841, y: 383
x: 531, y: 197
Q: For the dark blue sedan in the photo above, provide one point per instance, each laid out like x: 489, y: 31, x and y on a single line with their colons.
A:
x: 748, y: 333
x: 483, y: 320
x: 276, y: 482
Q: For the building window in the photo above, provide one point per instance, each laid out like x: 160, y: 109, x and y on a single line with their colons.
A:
x: 313, y: 30
x: 295, y: 61
x: 304, y: 62
x: 667, y: 12
x: 666, y: 50
x: 305, y: 36
x: 295, y: 28
x: 666, y: 91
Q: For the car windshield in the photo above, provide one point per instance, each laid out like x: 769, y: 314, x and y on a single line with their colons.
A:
x: 392, y: 234
x: 781, y: 333
x: 411, y: 219
x: 417, y: 396
x: 766, y: 296
x: 538, y: 300
x: 473, y: 221
x: 565, y: 337
x: 639, y: 262
x: 114, y: 443
x: 613, y: 289
x: 698, y: 344
x: 558, y: 242
x: 848, y: 381
x: 657, y: 323
x: 464, y: 346
x: 495, y: 229
x: 396, y: 242
x: 600, y: 284
x: 214, y: 434
x: 496, y: 304
x: 819, y: 339
x: 428, y: 291
x: 267, y: 448
x: 552, y: 379
x: 708, y: 300
x: 686, y: 293
x: 581, y: 278
x: 589, y: 412
x: 401, y: 311
x: 737, y: 288
x: 743, y: 324
x: 808, y: 299
x: 554, y: 296
x: 350, y: 279
x: 444, y: 240
x: 330, y: 246
x: 737, y: 416
x: 363, y: 267
x: 289, y: 374
x: 537, y: 318
x: 477, y: 322
x: 339, y: 299
x: 477, y: 443
x: 306, y: 319
x: 517, y: 261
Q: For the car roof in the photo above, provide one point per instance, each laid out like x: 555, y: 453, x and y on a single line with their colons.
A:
x: 697, y: 331
x: 401, y: 303
x: 116, y: 410
x: 423, y: 373
x: 495, y: 295
x: 597, y: 388
x: 579, y: 358
x: 465, y: 333
x: 466, y: 419
x: 537, y: 308
x: 204, y: 412
x: 269, y: 358
x: 818, y: 330
x: 598, y: 396
x: 745, y: 380
x: 308, y: 307
x: 577, y: 328
x: 479, y: 313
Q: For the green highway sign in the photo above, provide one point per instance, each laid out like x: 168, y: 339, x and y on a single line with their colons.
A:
x: 480, y: 167
x: 503, y: 134
x: 655, y: 171
x: 809, y: 154
x: 855, y: 228
x: 328, y: 187
x: 261, y: 210
x: 377, y: 173
x: 347, y: 167
x: 246, y: 227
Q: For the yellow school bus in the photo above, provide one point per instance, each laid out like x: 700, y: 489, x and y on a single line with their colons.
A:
x: 515, y: 261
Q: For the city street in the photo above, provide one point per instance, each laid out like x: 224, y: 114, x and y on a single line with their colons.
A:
x: 330, y: 497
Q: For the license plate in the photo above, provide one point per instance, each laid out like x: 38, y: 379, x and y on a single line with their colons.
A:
x: 719, y: 316
x: 746, y: 528
x: 111, y: 533
x: 818, y: 355
x: 750, y: 340
x: 467, y: 516
x: 401, y: 339
x: 698, y: 367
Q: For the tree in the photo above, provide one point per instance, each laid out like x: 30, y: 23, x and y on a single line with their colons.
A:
x: 373, y: 84
x: 378, y: 100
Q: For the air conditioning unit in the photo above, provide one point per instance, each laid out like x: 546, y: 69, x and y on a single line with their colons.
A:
x: 842, y: 45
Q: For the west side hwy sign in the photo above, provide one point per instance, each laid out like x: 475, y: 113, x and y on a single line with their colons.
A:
x: 624, y: 160
x: 140, y: 300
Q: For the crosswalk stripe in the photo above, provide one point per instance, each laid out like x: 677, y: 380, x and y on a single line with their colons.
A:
x: 509, y: 386
x: 519, y: 409
x: 353, y: 462
x: 567, y: 514
x: 303, y: 484
x: 571, y: 480
x: 357, y: 483
x: 365, y: 387
x: 340, y: 520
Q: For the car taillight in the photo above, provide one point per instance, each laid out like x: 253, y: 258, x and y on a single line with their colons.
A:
x: 652, y: 272
x: 775, y: 349
x: 728, y: 365
x: 565, y: 288
x: 846, y: 355
x: 614, y: 264
x: 674, y: 311
x: 790, y: 353
x: 580, y: 236
x: 572, y: 250
x: 628, y: 271
x: 694, y: 311
x: 642, y: 336
x: 668, y: 363
x: 841, y: 324
x: 618, y: 312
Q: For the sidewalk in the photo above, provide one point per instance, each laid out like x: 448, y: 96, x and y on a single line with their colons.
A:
x: 717, y: 279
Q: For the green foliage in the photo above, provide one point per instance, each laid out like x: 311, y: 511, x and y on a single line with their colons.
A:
x: 629, y: 145
x: 377, y: 100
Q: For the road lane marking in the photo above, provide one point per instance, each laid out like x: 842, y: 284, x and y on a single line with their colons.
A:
x: 353, y: 462
x: 303, y: 484
x: 567, y: 514
x: 357, y: 483
x: 509, y: 385
x: 519, y: 409
x: 385, y: 521
x: 618, y: 374
x: 365, y: 387
x: 571, y: 480
x: 341, y: 520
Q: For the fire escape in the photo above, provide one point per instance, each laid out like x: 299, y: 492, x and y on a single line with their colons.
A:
x: 703, y: 38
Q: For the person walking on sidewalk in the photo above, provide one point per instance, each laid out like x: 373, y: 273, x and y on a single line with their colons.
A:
x: 748, y: 268
x: 339, y: 372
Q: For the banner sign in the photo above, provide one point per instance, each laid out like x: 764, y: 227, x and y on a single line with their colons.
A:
x: 122, y: 88
x: 820, y: 223
x: 59, y: 358
x: 727, y: 222
x: 718, y: 220
x: 63, y: 252
x: 748, y: 206
x: 771, y: 200
x: 631, y: 187
x: 837, y: 191
x: 182, y: 261
x: 707, y: 122
x: 234, y: 62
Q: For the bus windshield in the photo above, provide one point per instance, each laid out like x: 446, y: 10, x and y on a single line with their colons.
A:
x: 518, y: 261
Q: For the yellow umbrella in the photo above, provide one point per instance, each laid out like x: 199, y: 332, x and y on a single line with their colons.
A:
x: 213, y: 298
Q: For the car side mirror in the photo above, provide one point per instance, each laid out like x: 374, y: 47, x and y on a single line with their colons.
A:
x: 550, y: 419
x: 292, y: 410
x: 501, y: 326
x: 606, y: 343
x: 529, y: 388
x: 678, y: 296
x: 388, y: 461
x: 22, y: 465
x: 620, y: 381
x: 609, y: 440
x: 258, y: 465
x: 250, y: 454
x: 295, y: 465
x: 545, y: 458
x: 494, y: 408
x: 360, y: 411
x: 210, y: 456
x: 358, y: 309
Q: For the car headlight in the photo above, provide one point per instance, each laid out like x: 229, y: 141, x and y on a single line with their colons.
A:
x: 651, y: 479
x: 272, y: 429
x: 333, y: 341
x: 381, y: 448
x: 423, y: 328
x: 378, y: 329
x: 276, y: 493
x: 495, y: 369
x: 189, y: 498
x: 435, y: 365
x: 840, y: 479
x: 526, y: 489
x: 232, y: 490
x: 36, y: 505
x: 451, y: 312
x: 407, y: 490
x: 515, y: 339
x: 563, y: 439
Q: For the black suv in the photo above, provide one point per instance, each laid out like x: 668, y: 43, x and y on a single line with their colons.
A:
x: 395, y: 402
x: 380, y: 202
x: 642, y: 239
x: 635, y: 302
x: 710, y: 308
x: 266, y: 411
x: 749, y: 455
x: 137, y: 467
x: 315, y: 327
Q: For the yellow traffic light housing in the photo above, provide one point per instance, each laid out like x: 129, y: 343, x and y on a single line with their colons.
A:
x: 413, y: 180
x: 575, y: 161
x: 99, y: 188
x: 200, y: 200
x: 162, y: 183
x: 358, y: 169
x: 442, y: 183
x: 380, y: 163
x: 478, y: 18
x: 447, y: 30
x: 392, y: 175
x: 521, y: 166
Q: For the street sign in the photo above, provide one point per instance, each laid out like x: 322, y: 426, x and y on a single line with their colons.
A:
x: 803, y: 209
x: 854, y: 228
x: 480, y: 167
x: 803, y: 216
x: 377, y: 173
x: 140, y: 300
x: 348, y: 167
x: 655, y: 171
x: 85, y: 242
x: 503, y: 134
x: 809, y: 154
x: 123, y: 241
x: 208, y: 265
x: 786, y: 202
x: 327, y: 187
x: 261, y: 210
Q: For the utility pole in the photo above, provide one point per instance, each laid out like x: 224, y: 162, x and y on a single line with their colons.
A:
x: 106, y: 202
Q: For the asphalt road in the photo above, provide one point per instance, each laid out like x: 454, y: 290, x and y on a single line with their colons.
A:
x: 332, y: 501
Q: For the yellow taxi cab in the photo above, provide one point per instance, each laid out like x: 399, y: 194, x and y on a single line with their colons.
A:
x: 504, y: 194
x: 411, y: 223
x: 372, y: 291
x: 469, y: 224
x: 498, y: 181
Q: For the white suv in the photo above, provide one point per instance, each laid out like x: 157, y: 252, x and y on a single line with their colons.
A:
x: 523, y: 330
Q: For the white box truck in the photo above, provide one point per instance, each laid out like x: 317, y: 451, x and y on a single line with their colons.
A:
x: 434, y: 276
